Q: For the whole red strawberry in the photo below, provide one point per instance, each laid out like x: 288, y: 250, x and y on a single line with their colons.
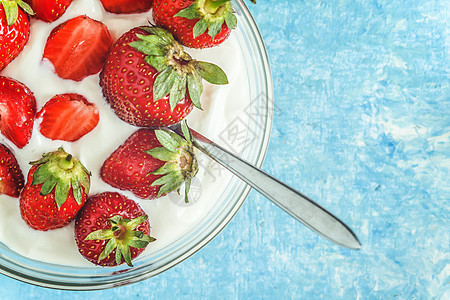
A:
x: 11, y: 177
x: 68, y: 117
x: 150, y: 81
x: 151, y: 163
x: 56, y: 189
x: 14, y: 29
x: 127, y: 6
x: 111, y: 229
x: 17, y: 111
x: 196, y: 23
x: 49, y: 10
x: 78, y: 47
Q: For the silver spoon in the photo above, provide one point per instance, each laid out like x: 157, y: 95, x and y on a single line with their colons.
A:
x: 291, y: 201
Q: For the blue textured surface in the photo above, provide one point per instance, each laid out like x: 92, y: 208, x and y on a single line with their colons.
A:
x: 362, y: 126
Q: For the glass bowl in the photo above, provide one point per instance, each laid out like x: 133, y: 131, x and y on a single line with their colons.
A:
x: 247, y: 134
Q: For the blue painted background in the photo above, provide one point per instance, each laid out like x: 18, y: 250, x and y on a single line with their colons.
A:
x: 362, y: 125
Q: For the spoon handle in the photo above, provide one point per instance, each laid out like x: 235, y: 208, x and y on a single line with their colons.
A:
x: 291, y: 201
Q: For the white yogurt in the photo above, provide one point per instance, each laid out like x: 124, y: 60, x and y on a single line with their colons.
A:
x: 169, y: 218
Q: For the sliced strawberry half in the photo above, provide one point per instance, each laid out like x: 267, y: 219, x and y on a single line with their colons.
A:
x: 11, y: 176
x: 17, y: 111
x: 68, y: 117
x: 49, y: 10
x: 78, y: 47
x: 127, y: 6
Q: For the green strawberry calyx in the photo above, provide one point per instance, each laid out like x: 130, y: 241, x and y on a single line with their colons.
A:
x: 178, y: 72
x: 122, y: 235
x: 211, y: 15
x: 11, y: 8
x: 181, y: 163
x: 61, y: 172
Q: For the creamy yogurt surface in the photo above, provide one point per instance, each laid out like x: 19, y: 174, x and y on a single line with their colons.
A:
x: 169, y: 216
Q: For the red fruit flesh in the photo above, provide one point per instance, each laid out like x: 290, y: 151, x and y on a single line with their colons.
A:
x: 78, y: 48
x: 17, y: 111
x: 129, y: 167
x: 127, y: 6
x: 94, y: 216
x: 41, y: 212
x: 127, y: 81
x: 182, y: 29
x: 11, y: 177
x: 68, y: 117
x: 49, y: 10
